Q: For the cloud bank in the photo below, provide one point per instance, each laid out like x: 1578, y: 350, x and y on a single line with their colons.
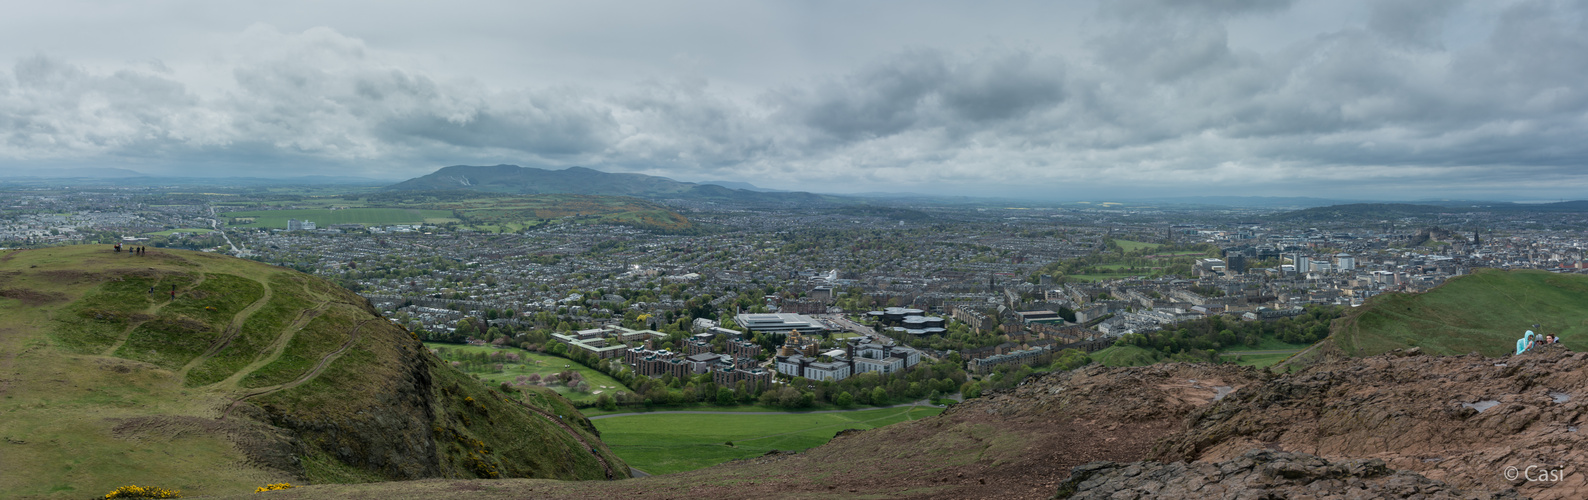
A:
x: 1155, y: 100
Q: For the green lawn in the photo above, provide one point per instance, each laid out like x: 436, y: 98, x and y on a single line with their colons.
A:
x: 1267, y: 344
x: 325, y: 217
x: 537, y: 364
x: 1260, y: 360
x: 666, y: 443
x: 1130, y: 246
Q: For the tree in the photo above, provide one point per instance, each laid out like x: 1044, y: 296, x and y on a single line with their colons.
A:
x: 879, y: 396
x: 970, y: 390
x: 845, y: 399
x: 724, y: 396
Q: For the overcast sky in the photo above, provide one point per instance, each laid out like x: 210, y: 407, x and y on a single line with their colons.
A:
x: 1384, y: 99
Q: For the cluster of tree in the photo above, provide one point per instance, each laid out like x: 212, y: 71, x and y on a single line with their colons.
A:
x: 925, y: 380
x: 1201, y: 339
x: 1207, y: 291
x: 1009, y: 376
x: 959, y: 337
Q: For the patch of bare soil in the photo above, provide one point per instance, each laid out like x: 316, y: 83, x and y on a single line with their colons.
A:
x: 32, y: 298
x: 68, y: 276
x: 262, y: 445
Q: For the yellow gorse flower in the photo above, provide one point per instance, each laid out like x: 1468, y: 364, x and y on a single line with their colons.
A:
x: 274, y: 487
x: 135, y: 491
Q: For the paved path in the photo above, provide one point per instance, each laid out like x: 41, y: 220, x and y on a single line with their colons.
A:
x: 1253, y: 353
x: 686, y: 412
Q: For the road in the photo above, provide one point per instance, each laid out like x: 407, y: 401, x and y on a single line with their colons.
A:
x: 217, y: 227
x: 687, y: 412
x: 867, y: 331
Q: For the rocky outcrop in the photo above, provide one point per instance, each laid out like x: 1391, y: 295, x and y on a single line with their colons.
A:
x: 1259, y: 474
x: 1465, y: 420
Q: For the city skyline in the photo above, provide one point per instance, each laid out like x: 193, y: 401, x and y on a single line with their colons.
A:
x: 1346, y: 100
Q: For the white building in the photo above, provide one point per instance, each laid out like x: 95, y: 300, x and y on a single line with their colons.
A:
x: 1345, y: 262
x: 781, y: 322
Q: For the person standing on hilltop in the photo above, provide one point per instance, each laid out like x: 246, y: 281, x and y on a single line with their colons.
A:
x: 1525, y: 343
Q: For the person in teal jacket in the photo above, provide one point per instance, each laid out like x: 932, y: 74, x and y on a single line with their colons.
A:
x: 1525, y: 342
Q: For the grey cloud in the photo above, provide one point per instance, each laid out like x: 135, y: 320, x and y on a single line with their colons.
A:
x: 927, y: 89
x: 1181, y: 9
x: 1159, y: 98
x: 55, y: 108
x: 1414, y: 22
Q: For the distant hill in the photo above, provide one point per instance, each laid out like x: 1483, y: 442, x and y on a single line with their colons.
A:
x: 1357, y: 211
x: 1484, y: 312
x: 71, y: 173
x: 217, y: 375
x: 580, y: 180
x: 1380, y: 211
x: 743, y: 185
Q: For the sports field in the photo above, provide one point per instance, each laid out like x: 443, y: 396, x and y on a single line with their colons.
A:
x: 663, y: 443
x: 273, y: 219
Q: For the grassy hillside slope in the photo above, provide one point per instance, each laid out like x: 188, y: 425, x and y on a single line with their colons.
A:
x: 216, y: 375
x: 1485, y: 312
x: 1127, y: 355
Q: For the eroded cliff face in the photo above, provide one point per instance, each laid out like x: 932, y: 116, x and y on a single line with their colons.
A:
x: 1463, y: 420
x: 387, y: 409
x: 385, y: 432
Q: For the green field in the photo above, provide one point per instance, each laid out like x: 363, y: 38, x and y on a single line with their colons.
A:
x: 665, y: 443
x: 534, y: 364
x: 1260, y: 360
x: 1485, y: 312
x: 1131, y: 246
x: 277, y: 219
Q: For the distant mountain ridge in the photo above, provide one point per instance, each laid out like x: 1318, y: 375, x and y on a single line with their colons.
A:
x: 581, y: 180
x: 1397, y: 210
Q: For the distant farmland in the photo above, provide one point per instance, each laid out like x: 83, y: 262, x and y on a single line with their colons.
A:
x: 325, y: 217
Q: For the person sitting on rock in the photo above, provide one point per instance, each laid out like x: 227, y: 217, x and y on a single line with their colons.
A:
x: 1524, y: 343
x: 1551, y: 339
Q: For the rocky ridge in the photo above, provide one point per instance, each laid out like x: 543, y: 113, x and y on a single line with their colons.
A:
x: 1258, y: 474
x: 1463, y: 420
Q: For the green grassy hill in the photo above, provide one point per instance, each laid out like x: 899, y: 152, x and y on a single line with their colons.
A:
x: 1485, y: 312
x: 1127, y: 355
x: 217, y: 375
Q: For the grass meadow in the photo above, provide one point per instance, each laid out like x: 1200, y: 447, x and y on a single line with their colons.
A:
x: 664, y: 443
x: 1485, y: 312
x: 534, y: 364
x: 1131, y: 246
